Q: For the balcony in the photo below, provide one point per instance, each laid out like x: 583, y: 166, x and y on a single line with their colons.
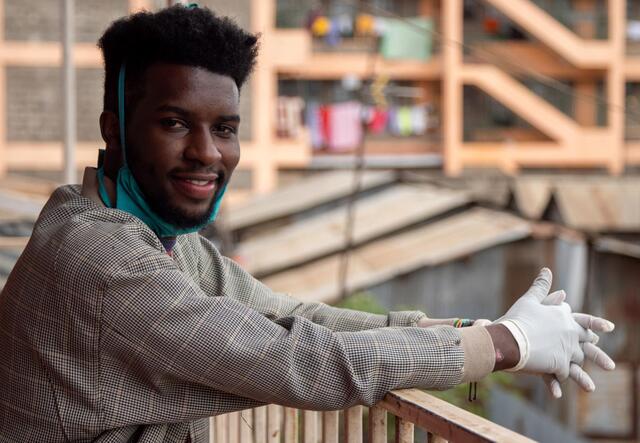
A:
x: 409, y: 409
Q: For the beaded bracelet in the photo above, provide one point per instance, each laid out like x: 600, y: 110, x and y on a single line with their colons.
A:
x: 462, y: 322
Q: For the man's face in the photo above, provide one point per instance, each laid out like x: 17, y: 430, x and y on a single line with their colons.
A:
x: 182, y: 140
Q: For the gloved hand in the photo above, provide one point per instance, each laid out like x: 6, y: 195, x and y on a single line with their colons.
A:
x: 551, y: 339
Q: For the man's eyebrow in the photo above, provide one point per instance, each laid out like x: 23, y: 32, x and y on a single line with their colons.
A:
x: 229, y: 118
x: 175, y: 109
x: 183, y: 112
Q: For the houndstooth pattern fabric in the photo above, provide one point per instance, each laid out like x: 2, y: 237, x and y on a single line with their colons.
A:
x: 106, y: 338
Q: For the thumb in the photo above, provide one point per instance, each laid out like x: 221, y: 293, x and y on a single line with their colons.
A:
x: 541, y: 285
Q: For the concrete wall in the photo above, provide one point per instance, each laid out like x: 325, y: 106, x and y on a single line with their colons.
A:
x: 34, y: 94
x: 37, y: 20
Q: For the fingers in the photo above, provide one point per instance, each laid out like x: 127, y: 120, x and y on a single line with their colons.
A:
x: 594, y: 323
x: 577, y: 374
x: 598, y: 356
x: 555, y: 298
x: 588, y: 336
x: 541, y: 285
x: 553, y: 384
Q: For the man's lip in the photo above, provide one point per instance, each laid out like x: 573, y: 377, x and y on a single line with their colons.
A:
x: 195, y: 191
x: 195, y: 176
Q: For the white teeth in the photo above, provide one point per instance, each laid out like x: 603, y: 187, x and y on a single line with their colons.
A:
x: 198, y: 182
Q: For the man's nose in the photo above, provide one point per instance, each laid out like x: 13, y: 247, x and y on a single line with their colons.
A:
x: 202, y: 147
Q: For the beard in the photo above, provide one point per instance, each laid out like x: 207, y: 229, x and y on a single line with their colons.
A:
x: 178, y: 216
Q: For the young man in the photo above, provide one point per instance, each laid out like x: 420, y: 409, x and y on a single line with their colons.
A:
x: 120, y: 323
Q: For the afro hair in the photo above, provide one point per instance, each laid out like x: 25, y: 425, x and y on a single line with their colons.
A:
x: 179, y: 35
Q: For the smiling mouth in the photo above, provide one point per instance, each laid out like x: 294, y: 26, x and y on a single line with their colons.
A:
x: 196, y: 188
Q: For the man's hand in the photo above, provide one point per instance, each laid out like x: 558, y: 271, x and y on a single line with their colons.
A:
x: 553, y: 341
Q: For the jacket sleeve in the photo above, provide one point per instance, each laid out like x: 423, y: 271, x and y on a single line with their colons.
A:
x: 169, y: 352
x: 220, y: 275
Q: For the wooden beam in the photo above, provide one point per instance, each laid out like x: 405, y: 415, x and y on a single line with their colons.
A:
x: 452, y: 86
x: 616, y: 84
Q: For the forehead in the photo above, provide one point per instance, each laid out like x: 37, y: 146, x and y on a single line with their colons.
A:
x: 189, y: 85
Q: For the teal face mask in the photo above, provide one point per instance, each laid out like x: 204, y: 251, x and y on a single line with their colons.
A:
x: 129, y: 197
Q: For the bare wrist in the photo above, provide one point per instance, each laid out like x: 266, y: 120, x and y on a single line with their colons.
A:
x: 506, y: 348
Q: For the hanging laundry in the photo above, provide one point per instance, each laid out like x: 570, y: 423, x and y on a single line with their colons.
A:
x: 346, y: 126
x: 378, y: 120
x: 321, y: 26
x: 344, y: 22
x: 365, y: 25
x: 405, y: 122
x: 289, y: 117
x: 379, y: 26
x: 407, y: 39
x: 313, y: 121
x: 633, y: 30
x: 392, y: 121
x: 419, y: 120
x: 333, y: 38
x: 325, y: 124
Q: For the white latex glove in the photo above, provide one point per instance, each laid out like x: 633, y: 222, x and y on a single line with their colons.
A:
x: 551, y: 338
x: 592, y: 352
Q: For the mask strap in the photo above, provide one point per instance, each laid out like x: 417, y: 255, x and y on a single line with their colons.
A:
x: 121, y: 110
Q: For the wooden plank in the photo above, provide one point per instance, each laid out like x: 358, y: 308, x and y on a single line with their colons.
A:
x: 260, y: 425
x: 246, y: 426
x: 330, y: 429
x: 220, y: 429
x: 446, y: 420
x: 387, y: 211
x: 233, y: 427
x: 532, y: 196
x: 299, y: 197
x: 290, y: 425
x: 310, y: 430
x: 404, y: 431
x: 353, y: 425
x: 600, y: 204
x: 274, y: 425
x: 377, y: 425
x: 379, y: 261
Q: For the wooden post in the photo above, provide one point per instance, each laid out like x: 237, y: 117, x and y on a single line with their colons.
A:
x: 353, y: 425
x: 586, y: 108
x: 290, y: 425
x: 377, y: 425
x: 452, y: 86
x: 69, y: 90
x: 274, y: 414
x: 310, y: 427
x: 616, y: 84
x: 3, y: 100
x: 260, y: 425
x: 404, y: 431
x: 246, y: 426
x: 264, y: 93
x: 330, y: 427
x: 220, y: 432
x: 232, y: 427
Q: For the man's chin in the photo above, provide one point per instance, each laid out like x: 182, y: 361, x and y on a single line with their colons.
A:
x: 183, y: 218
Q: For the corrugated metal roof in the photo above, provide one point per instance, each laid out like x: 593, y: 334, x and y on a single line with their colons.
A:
x: 449, y: 239
x: 384, y: 212
x: 593, y: 204
x: 300, y: 196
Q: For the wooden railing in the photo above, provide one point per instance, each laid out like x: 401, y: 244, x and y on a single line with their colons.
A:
x: 411, y: 408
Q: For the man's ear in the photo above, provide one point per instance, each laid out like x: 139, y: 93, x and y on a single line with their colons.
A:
x: 110, y: 130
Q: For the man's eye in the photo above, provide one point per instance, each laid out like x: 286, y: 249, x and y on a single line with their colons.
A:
x: 225, y: 130
x: 172, y: 123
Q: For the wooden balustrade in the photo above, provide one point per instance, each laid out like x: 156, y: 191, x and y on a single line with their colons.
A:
x: 411, y: 408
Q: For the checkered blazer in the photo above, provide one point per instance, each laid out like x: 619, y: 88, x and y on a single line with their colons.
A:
x: 104, y: 337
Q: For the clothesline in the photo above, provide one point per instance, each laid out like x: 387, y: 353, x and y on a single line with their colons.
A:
x: 339, y: 127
